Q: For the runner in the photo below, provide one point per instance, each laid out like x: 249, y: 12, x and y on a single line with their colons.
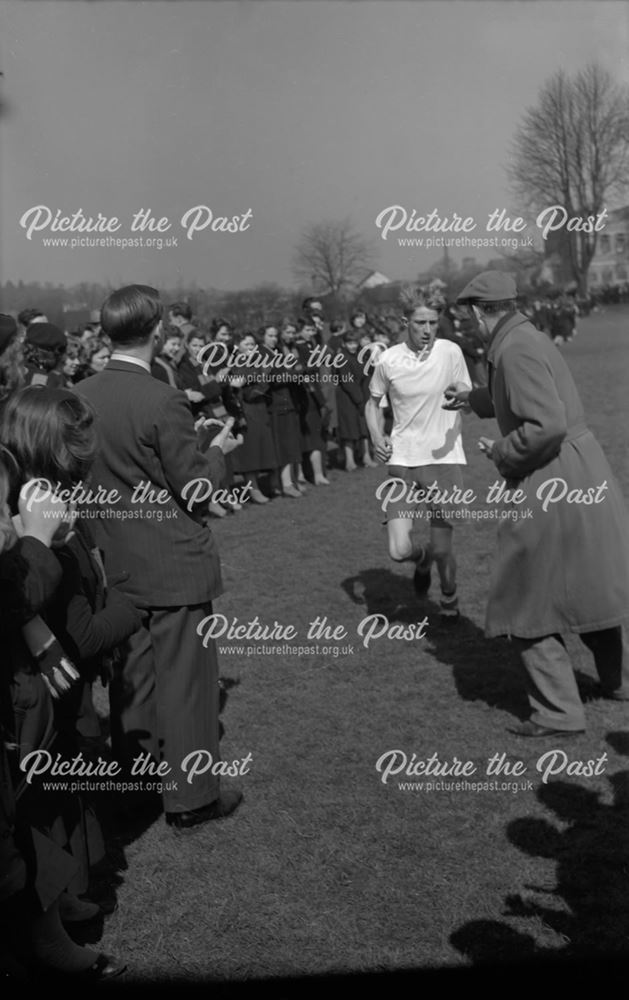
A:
x: 424, y: 450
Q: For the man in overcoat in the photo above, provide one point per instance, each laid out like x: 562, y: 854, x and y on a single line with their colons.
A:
x: 565, y: 568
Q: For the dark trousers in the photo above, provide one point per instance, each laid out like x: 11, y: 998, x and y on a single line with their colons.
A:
x: 165, y: 700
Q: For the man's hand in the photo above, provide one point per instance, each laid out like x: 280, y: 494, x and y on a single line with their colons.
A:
x: 203, y: 426
x: 225, y: 440
x: 487, y: 446
x: 457, y: 395
x: 383, y: 449
x: 230, y: 442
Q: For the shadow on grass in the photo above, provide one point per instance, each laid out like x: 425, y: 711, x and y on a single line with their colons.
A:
x: 588, y: 909
x: 483, y: 669
x: 124, y: 818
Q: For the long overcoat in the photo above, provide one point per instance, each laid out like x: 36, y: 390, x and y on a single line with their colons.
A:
x: 566, y: 566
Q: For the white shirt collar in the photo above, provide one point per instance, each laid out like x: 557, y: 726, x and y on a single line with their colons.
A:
x: 117, y: 356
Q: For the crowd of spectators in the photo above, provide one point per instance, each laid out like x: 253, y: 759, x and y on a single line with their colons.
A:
x: 296, y: 388
x: 306, y: 415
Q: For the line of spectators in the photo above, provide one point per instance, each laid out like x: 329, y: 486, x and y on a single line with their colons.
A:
x: 296, y: 425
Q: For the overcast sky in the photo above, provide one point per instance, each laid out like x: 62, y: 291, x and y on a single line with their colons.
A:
x: 296, y: 112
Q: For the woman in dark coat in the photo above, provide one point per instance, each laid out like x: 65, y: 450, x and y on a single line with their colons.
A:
x: 312, y: 408
x: 203, y: 391
x: 351, y: 396
x: 285, y: 403
x: 257, y: 452
x: 206, y: 384
x: 565, y: 568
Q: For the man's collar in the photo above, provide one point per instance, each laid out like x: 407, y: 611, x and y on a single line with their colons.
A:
x: 130, y: 360
x: 502, y: 327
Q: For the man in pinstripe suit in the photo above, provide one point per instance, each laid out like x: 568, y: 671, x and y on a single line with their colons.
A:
x: 165, y: 697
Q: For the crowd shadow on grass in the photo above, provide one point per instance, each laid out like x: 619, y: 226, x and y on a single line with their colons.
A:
x: 124, y: 817
x: 483, y: 669
x: 588, y: 909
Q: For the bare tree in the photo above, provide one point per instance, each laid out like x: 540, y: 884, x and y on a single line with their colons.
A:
x: 572, y: 149
x: 331, y: 257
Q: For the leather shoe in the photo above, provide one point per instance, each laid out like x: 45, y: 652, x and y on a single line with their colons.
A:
x: 532, y: 729
x: 227, y: 803
x: 104, y: 968
x: 616, y: 695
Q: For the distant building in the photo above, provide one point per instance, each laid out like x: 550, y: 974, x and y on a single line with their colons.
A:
x: 74, y: 318
x: 610, y: 263
x: 373, y: 280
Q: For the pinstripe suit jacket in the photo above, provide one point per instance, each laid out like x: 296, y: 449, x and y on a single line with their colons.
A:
x: 147, y: 436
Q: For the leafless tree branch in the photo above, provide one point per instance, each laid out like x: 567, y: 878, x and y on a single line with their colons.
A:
x: 572, y: 148
x: 332, y: 257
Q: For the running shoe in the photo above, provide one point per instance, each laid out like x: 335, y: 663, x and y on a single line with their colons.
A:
x: 449, y: 607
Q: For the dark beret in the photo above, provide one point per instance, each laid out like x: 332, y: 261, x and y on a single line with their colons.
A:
x: 45, y: 335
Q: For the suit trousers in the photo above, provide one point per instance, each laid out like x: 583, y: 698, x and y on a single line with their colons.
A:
x: 550, y: 681
x: 165, y: 701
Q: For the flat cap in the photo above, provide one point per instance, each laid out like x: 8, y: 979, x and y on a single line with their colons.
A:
x: 45, y: 335
x: 489, y: 286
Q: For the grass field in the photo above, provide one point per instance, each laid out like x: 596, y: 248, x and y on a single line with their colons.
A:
x: 324, y: 868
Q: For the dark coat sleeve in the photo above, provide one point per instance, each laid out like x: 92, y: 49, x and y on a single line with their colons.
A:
x: 191, y: 377
x: 481, y: 402
x: 534, y: 400
x: 178, y: 449
x: 72, y: 615
x: 29, y: 575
